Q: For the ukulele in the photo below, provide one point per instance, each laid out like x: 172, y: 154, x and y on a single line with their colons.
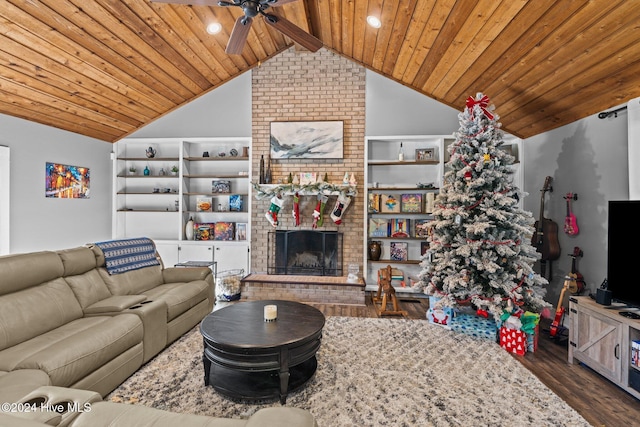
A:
x: 574, y: 283
x: 570, y: 221
x: 545, y: 238
x: 577, y: 279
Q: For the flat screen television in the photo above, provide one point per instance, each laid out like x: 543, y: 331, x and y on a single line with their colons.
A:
x: 622, y: 258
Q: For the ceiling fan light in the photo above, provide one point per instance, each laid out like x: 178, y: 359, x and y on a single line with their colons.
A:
x: 214, y: 28
x: 374, y: 21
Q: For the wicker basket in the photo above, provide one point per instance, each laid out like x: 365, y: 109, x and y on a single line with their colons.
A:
x: 228, y: 285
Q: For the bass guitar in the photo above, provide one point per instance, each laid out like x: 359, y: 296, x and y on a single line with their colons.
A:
x: 574, y: 283
x: 570, y: 221
x: 545, y: 238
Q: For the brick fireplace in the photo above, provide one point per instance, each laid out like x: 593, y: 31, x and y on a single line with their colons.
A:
x: 298, y: 85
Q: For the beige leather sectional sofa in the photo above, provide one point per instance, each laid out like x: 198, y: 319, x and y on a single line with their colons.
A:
x: 70, y: 333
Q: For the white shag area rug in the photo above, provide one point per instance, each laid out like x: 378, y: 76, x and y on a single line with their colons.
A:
x: 373, y: 372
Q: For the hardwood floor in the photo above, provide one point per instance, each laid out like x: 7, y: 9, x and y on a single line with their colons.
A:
x: 598, y: 400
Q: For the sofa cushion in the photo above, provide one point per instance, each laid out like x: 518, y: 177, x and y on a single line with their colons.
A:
x: 77, y: 260
x: 180, y: 297
x: 74, y: 350
x: 15, y: 385
x: 31, y: 312
x: 108, y: 414
x: 88, y: 287
x: 135, y: 282
x: 18, y: 270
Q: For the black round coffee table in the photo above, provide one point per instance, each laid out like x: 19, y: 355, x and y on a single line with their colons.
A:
x: 247, y: 358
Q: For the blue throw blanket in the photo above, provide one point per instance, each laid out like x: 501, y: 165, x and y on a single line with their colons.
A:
x: 128, y: 254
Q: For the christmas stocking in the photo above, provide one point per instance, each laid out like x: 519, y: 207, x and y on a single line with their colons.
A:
x: 338, y: 210
x: 272, y: 214
x: 296, y: 209
x: 318, y: 212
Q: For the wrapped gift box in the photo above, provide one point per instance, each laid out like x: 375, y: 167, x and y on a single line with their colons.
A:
x: 475, y: 326
x: 513, y: 340
x: 532, y: 340
x: 439, y: 316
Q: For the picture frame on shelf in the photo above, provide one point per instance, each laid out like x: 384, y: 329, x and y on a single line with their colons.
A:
x: 421, y: 228
x: 221, y: 186
x: 398, y: 251
x: 374, y: 203
x: 204, y: 204
x: 399, y: 228
x: 307, y: 178
x: 235, y: 203
x: 224, y: 231
x: 424, y: 247
x: 204, y: 231
x: 425, y: 154
x: 241, y: 231
x: 389, y: 203
x: 378, y: 227
x: 411, y: 203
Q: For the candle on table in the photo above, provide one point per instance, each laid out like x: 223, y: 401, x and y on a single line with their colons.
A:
x: 270, y: 313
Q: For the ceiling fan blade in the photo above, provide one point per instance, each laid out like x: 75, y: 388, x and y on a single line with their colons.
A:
x: 239, y: 35
x: 294, y: 32
x: 276, y: 3
x: 189, y: 2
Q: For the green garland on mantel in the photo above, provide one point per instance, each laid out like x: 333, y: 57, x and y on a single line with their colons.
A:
x: 267, y: 191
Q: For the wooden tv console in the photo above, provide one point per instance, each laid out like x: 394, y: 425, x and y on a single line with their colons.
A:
x: 600, y: 337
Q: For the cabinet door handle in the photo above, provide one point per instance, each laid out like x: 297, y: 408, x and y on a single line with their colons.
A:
x: 616, y: 351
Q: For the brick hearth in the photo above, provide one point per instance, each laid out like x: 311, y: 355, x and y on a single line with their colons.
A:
x: 309, y: 289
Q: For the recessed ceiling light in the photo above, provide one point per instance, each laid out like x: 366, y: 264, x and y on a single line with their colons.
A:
x: 374, y: 21
x: 214, y: 28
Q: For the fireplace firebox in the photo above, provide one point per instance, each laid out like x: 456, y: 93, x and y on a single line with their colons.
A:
x: 305, y: 252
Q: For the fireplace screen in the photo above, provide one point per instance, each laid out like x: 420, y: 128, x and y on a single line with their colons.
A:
x: 305, y: 252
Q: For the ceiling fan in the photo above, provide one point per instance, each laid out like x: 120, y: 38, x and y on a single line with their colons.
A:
x: 253, y: 8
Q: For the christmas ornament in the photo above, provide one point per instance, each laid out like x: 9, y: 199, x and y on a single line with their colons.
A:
x: 486, y: 157
x: 296, y: 209
x: 318, y: 212
x: 274, y: 208
x: 340, y: 207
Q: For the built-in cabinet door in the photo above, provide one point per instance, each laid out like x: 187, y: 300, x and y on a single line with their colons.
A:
x: 597, y: 341
x: 195, y: 252
x: 168, y: 252
x: 232, y: 257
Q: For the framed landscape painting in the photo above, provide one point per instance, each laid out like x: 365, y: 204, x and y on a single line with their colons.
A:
x: 307, y: 140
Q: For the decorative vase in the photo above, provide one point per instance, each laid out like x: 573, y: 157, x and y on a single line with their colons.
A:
x: 146, y: 171
x: 267, y: 174
x: 188, y: 229
x: 262, y: 169
x: 375, y: 249
x: 151, y: 152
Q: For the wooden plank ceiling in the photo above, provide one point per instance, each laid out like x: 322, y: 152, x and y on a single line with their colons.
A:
x: 104, y: 68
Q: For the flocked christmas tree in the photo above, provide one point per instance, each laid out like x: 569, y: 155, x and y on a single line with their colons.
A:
x: 480, y: 253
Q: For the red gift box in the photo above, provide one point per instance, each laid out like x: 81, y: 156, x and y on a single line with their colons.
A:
x: 513, y: 340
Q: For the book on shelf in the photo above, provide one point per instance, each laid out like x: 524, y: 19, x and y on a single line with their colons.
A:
x: 235, y: 203
x: 378, y: 227
x: 399, y: 228
x: 224, y: 231
x: 374, y: 203
x: 398, y: 251
x: 411, y: 203
x: 389, y: 203
x: 421, y: 228
x: 204, y: 204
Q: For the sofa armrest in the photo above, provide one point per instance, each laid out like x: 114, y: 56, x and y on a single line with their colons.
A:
x: 189, y: 274
x: 282, y: 416
x: 28, y: 419
x: 114, y: 304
